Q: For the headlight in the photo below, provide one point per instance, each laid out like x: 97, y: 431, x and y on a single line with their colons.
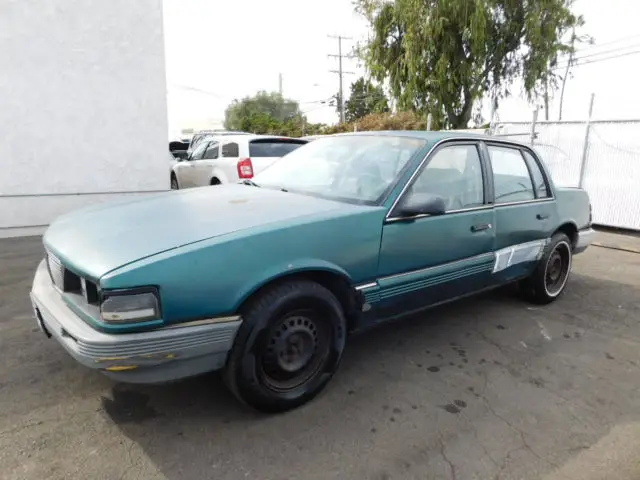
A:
x: 127, y: 307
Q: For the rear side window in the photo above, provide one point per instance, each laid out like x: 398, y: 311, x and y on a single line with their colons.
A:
x: 230, y: 150
x: 542, y: 189
x: 511, y: 179
x: 273, y: 147
x: 212, y: 151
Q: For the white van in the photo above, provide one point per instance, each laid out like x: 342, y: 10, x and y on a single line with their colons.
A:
x: 230, y: 158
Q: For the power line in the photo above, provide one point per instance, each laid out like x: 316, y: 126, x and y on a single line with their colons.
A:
x: 597, y: 60
x: 611, y: 42
x: 577, y: 55
x: 608, y: 52
x: 340, y: 72
x: 199, y: 90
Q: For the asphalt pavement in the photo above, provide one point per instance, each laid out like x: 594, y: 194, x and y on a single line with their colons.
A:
x: 487, y: 388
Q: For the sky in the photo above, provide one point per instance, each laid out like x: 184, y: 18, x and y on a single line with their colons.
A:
x: 220, y: 50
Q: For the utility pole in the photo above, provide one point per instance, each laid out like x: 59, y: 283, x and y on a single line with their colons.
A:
x: 340, y: 73
x: 566, y: 72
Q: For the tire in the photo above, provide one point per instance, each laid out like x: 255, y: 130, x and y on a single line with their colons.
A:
x: 269, y: 367
x: 215, y: 181
x: 174, y: 183
x: 549, y: 279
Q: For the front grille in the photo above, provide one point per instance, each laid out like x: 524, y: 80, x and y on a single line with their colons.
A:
x: 67, y: 281
x: 56, y: 270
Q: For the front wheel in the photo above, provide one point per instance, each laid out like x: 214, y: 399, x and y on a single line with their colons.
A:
x: 550, y: 277
x: 174, y: 183
x: 288, y: 347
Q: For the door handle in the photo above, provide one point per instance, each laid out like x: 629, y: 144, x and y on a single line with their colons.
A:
x: 480, y: 227
x: 542, y: 216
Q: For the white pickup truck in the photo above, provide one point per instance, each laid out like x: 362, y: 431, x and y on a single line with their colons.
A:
x: 230, y: 158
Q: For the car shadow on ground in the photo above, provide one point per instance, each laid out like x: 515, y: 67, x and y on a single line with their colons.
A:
x: 556, y: 364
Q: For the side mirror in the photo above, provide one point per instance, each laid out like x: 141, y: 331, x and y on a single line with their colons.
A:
x: 422, y: 204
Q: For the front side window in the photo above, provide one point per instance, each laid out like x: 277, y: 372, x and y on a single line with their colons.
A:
x: 455, y: 174
x: 511, y: 179
x: 352, y: 168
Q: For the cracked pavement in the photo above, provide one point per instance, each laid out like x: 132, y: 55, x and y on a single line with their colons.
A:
x: 487, y: 388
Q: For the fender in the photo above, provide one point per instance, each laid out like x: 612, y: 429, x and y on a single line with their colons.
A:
x: 292, y: 267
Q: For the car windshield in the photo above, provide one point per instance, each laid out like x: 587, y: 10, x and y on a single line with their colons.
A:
x: 357, y: 168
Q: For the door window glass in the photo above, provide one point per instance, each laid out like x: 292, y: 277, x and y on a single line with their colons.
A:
x: 198, y: 153
x: 212, y: 151
x: 511, y: 179
x: 542, y: 190
x: 455, y: 174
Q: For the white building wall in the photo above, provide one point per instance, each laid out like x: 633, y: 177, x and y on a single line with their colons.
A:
x: 83, y: 114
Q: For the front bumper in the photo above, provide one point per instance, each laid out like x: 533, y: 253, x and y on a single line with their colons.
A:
x: 585, y: 238
x: 156, y: 356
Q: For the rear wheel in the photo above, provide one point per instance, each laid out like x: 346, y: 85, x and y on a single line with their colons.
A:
x: 289, y: 346
x: 215, y: 181
x: 550, y: 277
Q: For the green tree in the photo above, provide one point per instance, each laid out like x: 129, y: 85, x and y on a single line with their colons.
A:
x: 441, y: 56
x: 365, y: 98
x: 262, y: 113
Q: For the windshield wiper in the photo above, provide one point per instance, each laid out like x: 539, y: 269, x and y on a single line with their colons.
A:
x: 246, y: 181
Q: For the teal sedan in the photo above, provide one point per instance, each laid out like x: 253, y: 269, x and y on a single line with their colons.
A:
x: 266, y: 279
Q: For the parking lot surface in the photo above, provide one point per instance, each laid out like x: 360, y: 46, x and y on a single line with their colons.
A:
x: 487, y: 388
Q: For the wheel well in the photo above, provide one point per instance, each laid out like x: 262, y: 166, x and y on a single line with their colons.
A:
x: 571, y: 231
x: 338, y: 285
x: 215, y: 181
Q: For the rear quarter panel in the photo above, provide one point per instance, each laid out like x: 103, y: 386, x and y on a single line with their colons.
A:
x: 573, y: 206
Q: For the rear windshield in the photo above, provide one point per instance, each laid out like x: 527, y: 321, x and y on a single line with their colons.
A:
x: 273, y: 147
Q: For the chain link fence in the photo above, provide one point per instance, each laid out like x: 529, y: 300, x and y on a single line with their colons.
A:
x: 602, y: 157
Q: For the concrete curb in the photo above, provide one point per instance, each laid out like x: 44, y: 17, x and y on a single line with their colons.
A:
x: 613, y: 246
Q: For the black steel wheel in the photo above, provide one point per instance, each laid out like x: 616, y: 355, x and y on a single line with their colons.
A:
x: 288, y: 347
x: 296, y: 346
x: 550, y: 277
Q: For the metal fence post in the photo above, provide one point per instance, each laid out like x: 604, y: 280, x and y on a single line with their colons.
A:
x: 585, y: 146
x: 534, y: 120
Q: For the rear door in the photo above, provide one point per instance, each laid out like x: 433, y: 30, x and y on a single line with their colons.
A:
x: 524, y: 209
x: 264, y: 151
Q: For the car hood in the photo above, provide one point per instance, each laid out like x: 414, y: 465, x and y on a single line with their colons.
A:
x: 96, y: 240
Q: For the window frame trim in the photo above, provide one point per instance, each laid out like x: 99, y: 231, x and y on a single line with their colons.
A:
x: 438, y: 147
x: 543, y: 172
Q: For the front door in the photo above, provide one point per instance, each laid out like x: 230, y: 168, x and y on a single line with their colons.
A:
x: 429, y: 259
x: 186, y: 170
